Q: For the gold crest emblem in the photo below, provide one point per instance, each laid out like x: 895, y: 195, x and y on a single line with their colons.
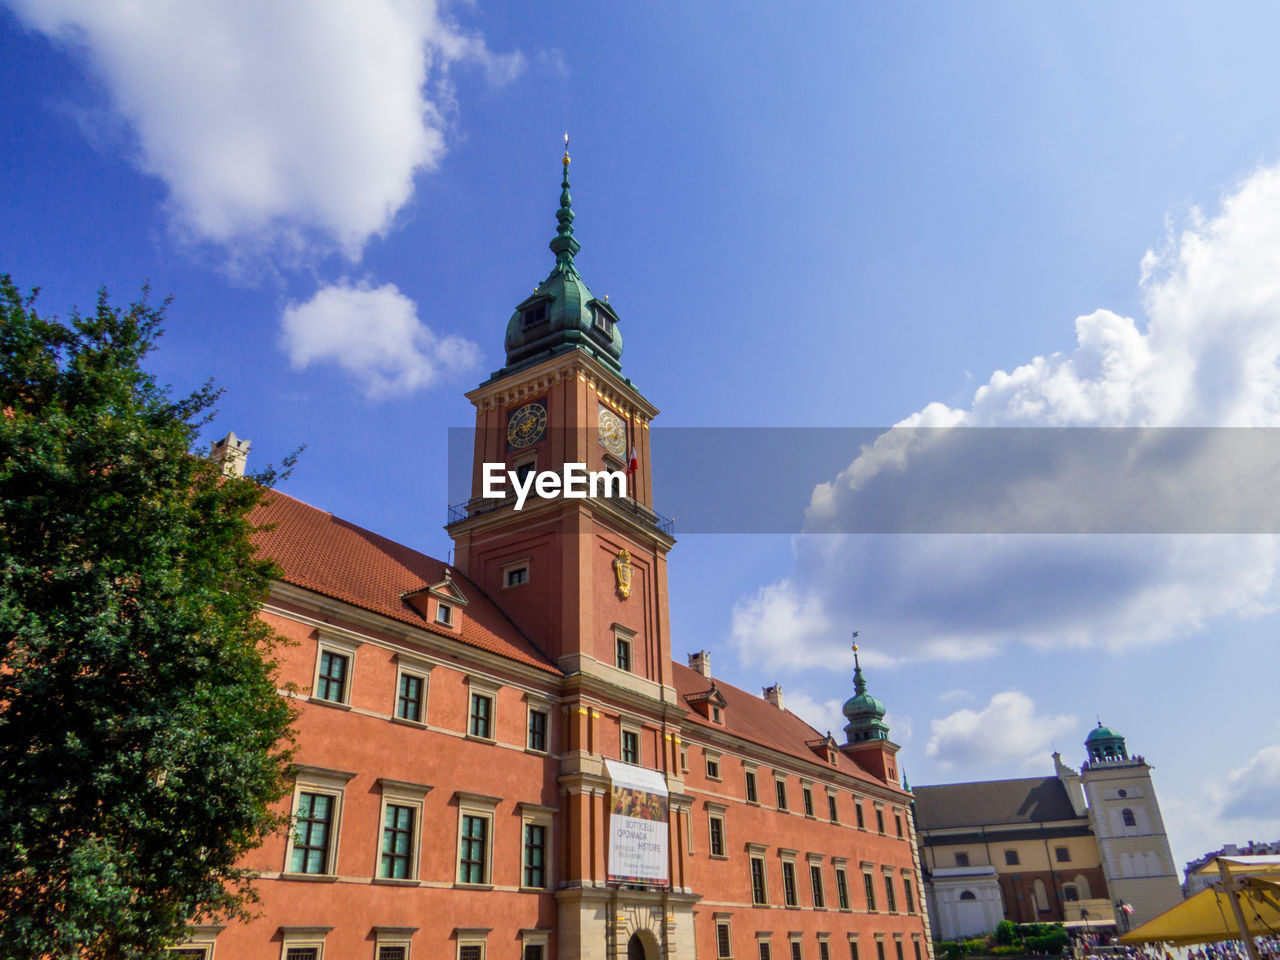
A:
x: 622, y: 573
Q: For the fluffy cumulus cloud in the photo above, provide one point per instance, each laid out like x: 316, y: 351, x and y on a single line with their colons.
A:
x: 1251, y: 790
x: 285, y: 121
x: 1207, y: 356
x: 1007, y: 730
x: 822, y: 715
x: 375, y: 336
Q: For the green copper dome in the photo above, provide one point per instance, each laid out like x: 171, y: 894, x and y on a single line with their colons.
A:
x: 562, y: 314
x: 1102, y: 733
x: 864, y: 712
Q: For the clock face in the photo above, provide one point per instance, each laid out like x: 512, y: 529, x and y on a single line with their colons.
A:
x: 613, y: 433
x: 527, y: 425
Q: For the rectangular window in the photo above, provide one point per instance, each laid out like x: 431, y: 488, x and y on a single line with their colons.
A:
x: 535, y: 855
x: 533, y: 951
x: 624, y: 653
x: 473, y: 951
x: 713, y: 768
x: 815, y: 881
x: 907, y: 895
x: 915, y: 945
x: 1063, y: 854
x: 475, y: 849
x: 759, y: 892
x: 853, y: 950
x: 831, y: 808
x: 302, y: 953
x: 765, y: 951
x: 716, y: 823
x: 537, y: 730
x: 890, y: 901
x: 752, y: 796
x: 879, y: 950
x: 842, y: 889
x: 630, y: 747
x: 393, y: 953
x: 869, y: 886
x: 797, y: 952
x: 789, y: 884
x: 897, y: 947
x: 311, y: 832
x: 397, y: 842
x: 1011, y: 858
x: 808, y: 801
x: 879, y: 819
x: 444, y: 614
x: 331, y: 684
x: 409, y: 700
x: 517, y: 575
x: 962, y: 859
x: 857, y: 812
x: 481, y: 724
x: 897, y: 822
x: 724, y: 945
x: 780, y: 788
x: 824, y: 950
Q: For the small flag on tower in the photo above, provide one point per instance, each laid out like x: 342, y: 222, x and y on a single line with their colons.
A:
x: 633, y: 463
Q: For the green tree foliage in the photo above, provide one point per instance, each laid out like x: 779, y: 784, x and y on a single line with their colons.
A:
x: 142, y: 741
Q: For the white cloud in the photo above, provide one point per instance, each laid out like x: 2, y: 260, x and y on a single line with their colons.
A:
x: 824, y: 716
x: 277, y: 122
x: 1006, y: 730
x: 1208, y: 355
x: 955, y: 696
x: 375, y: 335
x: 1252, y: 789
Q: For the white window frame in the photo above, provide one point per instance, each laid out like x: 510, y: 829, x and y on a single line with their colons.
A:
x: 321, y: 780
x: 401, y: 793
x: 815, y: 860
x: 717, y: 811
x: 302, y: 938
x: 788, y: 857
x: 327, y: 642
x: 724, y: 920
x: 415, y: 666
x: 472, y: 937
x: 393, y: 937
x: 536, y: 938
x: 625, y: 635
x: 476, y: 805
x: 445, y: 610
x: 534, y: 704
x: 754, y: 771
x: 483, y: 686
x: 710, y: 757
x: 758, y: 851
x: 538, y: 816
x: 840, y: 866
x: 806, y: 799
x: 202, y: 936
x: 525, y: 564
x: 785, y: 805
x: 824, y: 946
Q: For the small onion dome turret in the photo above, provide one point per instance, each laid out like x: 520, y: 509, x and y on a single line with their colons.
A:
x: 864, y: 712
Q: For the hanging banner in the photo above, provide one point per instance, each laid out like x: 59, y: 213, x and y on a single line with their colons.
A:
x: 638, y: 828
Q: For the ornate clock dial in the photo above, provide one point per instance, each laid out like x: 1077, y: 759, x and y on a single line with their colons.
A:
x: 613, y: 433
x: 527, y: 425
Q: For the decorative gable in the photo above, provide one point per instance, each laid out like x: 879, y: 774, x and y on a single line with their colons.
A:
x: 439, y: 603
x: 825, y: 747
x: 709, y: 703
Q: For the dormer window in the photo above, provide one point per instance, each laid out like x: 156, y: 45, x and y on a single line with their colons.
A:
x: 444, y: 614
x: 603, y: 321
x: 535, y: 314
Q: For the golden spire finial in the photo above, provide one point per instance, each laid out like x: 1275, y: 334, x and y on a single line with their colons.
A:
x: 855, y: 641
x: 566, y: 148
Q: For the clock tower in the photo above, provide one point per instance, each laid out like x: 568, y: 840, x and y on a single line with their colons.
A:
x: 586, y: 580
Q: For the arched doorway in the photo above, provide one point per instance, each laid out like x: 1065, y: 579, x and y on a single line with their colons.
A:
x: 635, y: 948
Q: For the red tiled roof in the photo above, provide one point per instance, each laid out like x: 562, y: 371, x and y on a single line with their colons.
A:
x: 320, y: 552
x: 756, y: 719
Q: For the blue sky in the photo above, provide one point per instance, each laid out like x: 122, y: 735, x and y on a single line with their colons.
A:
x: 825, y: 215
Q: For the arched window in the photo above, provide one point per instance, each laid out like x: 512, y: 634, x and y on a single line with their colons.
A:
x: 1081, y: 883
x: 1070, y: 892
x: 967, y: 895
x: 1129, y: 819
x: 1042, y: 897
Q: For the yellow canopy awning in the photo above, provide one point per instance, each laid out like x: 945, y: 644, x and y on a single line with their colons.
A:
x: 1207, y: 917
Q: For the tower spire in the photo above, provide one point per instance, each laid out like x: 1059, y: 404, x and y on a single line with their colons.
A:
x: 859, y: 681
x: 564, y: 246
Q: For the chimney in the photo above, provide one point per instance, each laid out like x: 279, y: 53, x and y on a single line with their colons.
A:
x: 232, y: 453
x: 701, y: 661
x: 774, y: 695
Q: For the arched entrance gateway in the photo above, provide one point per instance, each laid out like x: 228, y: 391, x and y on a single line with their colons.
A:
x: 635, y: 948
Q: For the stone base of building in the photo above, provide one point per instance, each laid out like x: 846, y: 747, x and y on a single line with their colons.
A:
x: 598, y: 923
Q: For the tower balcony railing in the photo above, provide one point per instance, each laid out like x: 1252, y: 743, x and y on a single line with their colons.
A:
x: 1113, y: 762
x: 478, y: 506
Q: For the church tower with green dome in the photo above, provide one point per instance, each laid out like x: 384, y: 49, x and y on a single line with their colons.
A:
x: 866, y: 734
x: 1125, y: 816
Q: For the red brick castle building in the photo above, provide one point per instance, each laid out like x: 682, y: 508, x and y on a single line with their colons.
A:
x: 500, y: 759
